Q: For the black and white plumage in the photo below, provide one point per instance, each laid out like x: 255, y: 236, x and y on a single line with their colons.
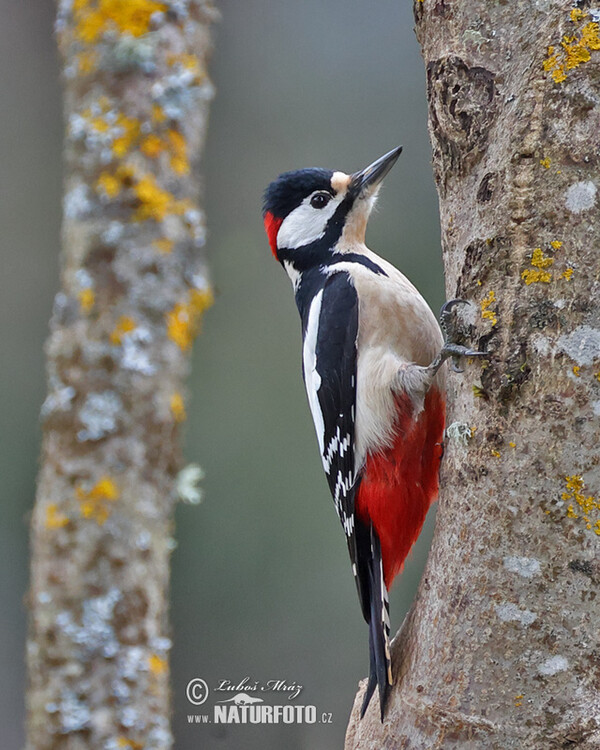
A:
x: 375, y: 395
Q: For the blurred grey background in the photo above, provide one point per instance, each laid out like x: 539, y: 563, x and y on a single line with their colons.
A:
x: 261, y: 581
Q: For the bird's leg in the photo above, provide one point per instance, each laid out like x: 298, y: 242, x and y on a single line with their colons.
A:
x: 450, y: 348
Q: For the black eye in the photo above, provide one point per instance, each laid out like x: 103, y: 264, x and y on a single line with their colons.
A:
x: 320, y: 200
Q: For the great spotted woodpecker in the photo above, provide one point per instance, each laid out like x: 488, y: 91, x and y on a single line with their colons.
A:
x: 371, y: 353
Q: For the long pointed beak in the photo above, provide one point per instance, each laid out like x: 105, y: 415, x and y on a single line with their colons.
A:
x: 366, y: 181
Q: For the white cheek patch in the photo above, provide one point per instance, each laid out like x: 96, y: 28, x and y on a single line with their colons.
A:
x: 305, y: 224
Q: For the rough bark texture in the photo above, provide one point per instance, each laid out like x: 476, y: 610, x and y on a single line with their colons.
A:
x: 134, y: 285
x: 501, y: 649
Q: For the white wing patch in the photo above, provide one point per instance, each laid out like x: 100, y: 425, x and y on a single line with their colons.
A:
x: 312, y: 379
x: 343, y: 485
x: 336, y: 446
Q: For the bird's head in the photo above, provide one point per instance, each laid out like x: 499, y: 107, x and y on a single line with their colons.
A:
x: 311, y: 210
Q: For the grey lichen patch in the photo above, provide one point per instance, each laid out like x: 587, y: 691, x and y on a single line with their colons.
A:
x: 553, y: 665
x: 74, y: 713
x: 581, y: 196
x: 132, y: 662
x: 179, y: 93
x: 99, y: 415
x: 130, y: 54
x: 526, y: 567
x: 77, y: 203
x: 541, y: 344
x: 460, y: 432
x: 136, y: 351
x: 582, y: 345
x: 58, y: 399
x: 96, y: 633
x: 509, y: 612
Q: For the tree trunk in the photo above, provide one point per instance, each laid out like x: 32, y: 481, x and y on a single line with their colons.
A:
x: 500, y: 649
x: 134, y: 286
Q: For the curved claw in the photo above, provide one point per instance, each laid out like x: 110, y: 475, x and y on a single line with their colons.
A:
x: 447, y: 306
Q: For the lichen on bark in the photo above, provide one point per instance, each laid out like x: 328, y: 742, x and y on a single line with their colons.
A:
x: 500, y: 649
x: 134, y: 285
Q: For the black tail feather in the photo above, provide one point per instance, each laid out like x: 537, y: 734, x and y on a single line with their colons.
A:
x: 371, y: 685
x: 380, y: 673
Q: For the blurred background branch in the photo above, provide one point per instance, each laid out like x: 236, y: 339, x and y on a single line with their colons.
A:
x: 500, y: 649
x: 134, y: 285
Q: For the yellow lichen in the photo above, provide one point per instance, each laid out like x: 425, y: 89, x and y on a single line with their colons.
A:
x: 537, y: 274
x: 124, y: 742
x: 154, y: 202
x: 574, y: 50
x: 183, y: 321
x: 86, y: 298
x: 93, y: 19
x: 157, y: 664
x: 519, y: 700
x: 588, y: 504
x: 486, y: 313
x: 94, y: 503
x: 54, y: 518
x: 590, y: 37
x: 179, y: 160
x: 163, y: 244
x: 129, y: 129
x: 180, y: 327
x: 545, y: 163
x: 512, y: 444
x: 201, y: 300
x: 575, y: 54
x: 158, y: 113
x: 556, y: 244
x: 177, y: 407
x: 109, y: 184
x: 152, y: 146
x: 495, y: 453
x: 567, y: 273
x: 576, y: 369
x: 539, y: 260
x: 124, y: 325
x: 531, y: 276
x: 87, y: 62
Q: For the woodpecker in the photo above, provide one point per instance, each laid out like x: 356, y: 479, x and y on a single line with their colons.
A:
x: 372, y: 352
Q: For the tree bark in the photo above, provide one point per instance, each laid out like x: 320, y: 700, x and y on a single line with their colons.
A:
x: 134, y: 286
x: 500, y: 649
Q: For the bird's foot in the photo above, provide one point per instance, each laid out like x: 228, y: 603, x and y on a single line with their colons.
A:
x: 450, y: 349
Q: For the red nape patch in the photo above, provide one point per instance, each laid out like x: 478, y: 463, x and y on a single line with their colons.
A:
x: 399, y: 485
x: 272, y: 224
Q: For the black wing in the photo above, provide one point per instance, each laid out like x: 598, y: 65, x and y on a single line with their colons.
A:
x: 330, y: 364
x: 330, y: 377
